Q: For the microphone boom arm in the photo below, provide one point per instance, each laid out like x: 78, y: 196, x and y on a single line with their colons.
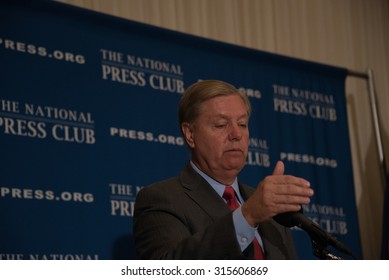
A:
x: 320, y: 238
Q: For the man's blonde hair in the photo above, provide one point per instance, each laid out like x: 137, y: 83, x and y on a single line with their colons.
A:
x: 191, y: 101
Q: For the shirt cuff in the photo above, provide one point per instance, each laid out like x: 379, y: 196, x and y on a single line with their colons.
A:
x: 244, y: 232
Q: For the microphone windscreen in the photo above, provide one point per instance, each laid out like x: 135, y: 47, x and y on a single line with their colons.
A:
x: 288, y: 219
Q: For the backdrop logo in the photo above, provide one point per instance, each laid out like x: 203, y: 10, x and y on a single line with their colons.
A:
x: 41, y: 122
x: 258, y: 154
x: 44, y: 195
x: 302, y: 102
x: 41, y: 51
x: 330, y: 218
x: 140, y: 135
x: 48, y: 256
x: 308, y: 159
x: 141, y: 71
x: 251, y: 93
x: 123, y: 199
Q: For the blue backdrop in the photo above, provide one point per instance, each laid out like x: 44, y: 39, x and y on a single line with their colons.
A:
x: 88, y: 116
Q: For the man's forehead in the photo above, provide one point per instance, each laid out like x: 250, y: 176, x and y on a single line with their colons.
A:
x: 225, y: 115
x: 225, y: 101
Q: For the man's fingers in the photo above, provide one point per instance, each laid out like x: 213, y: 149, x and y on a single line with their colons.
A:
x: 279, y: 169
x: 291, y: 199
x: 293, y: 189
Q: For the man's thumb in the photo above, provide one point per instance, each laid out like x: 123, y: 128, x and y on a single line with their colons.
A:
x: 279, y: 169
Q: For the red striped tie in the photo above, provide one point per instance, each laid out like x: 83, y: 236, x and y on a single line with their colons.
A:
x: 232, y: 203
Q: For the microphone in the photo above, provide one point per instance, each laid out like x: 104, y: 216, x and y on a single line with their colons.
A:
x: 290, y: 219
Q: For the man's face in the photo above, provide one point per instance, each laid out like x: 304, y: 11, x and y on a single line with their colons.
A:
x: 219, y: 137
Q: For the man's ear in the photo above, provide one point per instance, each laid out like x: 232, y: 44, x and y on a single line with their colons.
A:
x: 187, y: 130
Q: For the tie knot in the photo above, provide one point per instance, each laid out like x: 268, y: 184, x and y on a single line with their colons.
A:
x: 229, y: 196
x: 229, y: 193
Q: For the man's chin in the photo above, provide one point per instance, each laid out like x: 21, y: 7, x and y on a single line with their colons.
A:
x: 235, y: 165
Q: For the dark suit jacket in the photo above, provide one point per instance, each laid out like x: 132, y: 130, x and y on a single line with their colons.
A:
x: 184, y: 218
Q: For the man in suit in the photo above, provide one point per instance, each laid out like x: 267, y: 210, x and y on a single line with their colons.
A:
x: 205, y: 212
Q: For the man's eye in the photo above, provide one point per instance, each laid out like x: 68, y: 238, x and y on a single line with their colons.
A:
x: 220, y: 125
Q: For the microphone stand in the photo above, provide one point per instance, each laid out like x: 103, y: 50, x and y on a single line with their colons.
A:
x: 320, y: 251
x: 320, y: 244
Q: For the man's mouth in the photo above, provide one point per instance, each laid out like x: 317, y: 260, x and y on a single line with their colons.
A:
x: 234, y: 150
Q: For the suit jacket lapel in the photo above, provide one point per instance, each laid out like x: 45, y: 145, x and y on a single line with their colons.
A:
x: 202, y: 193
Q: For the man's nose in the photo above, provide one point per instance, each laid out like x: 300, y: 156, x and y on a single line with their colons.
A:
x: 235, y: 132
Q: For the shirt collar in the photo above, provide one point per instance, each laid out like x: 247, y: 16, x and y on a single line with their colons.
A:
x: 217, y: 186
